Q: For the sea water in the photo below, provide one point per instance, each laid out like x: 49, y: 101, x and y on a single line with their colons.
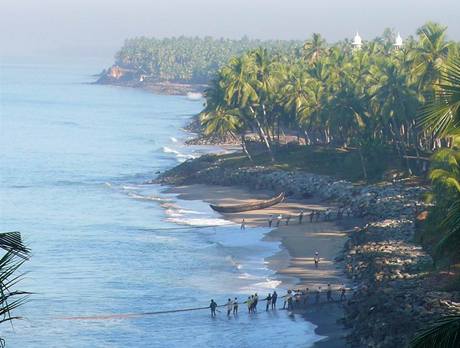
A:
x: 74, y: 161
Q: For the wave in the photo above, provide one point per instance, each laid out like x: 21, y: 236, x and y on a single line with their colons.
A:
x: 199, y: 222
x: 174, y: 140
x: 147, y: 198
x: 178, y: 154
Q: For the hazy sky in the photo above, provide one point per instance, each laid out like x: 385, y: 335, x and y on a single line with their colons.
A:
x: 98, y: 27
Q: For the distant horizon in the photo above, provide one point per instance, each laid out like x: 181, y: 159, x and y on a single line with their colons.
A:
x: 89, y: 28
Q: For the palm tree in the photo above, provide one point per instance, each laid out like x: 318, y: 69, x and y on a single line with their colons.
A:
x: 16, y: 254
x: 441, y: 114
x: 314, y: 48
x: 443, y: 334
x: 241, y: 92
x: 430, y: 54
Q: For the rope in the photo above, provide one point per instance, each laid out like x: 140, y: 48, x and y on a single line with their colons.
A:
x: 182, y: 228
x: 141, y: 314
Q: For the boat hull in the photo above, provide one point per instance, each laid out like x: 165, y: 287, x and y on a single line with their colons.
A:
x: 247, y: 207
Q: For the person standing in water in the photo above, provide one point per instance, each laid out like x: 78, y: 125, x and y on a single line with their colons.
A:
x: 305, y: 296
x: 255, y: 301
x: 274, y: 298
x: 278, y: 220
x: 269, y: 300
x: 316, y: 258
x: 249, y: 303
x: 288, y: 218
x: 235, y: 306
x: 300, y: 217
x: 287, y: 299
x: 329, y: 293
x: 342, y: 293
x: 270, y: 220
x: 318, y: 294
x: 312, y: 215
x: 229, y: 307
x: 213, y: 307
x: 243, y: 225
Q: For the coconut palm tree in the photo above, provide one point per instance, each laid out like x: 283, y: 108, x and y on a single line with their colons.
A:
x: 16, y: 254
x: 430, y: 54
x: 443, y: 334
x: 441, y: 114
x: 314, y: 48
x: 241, y: 92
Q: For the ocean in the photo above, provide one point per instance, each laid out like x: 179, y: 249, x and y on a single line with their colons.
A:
x: 74, y: 161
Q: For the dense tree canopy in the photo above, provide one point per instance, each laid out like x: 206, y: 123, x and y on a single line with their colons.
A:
x: 353, y: 97
x: 187, y: 60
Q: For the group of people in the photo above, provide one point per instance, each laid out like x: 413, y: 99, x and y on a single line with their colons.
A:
x: 292, y: 299
x: 315, y: 216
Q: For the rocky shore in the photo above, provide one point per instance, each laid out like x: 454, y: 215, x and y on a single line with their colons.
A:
x: 122, y: 77
x: 395, y: 292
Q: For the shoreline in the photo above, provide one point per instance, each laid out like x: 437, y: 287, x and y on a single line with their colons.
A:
x: 391, y: 274
x: 293, y: 265
x: 162, y: 88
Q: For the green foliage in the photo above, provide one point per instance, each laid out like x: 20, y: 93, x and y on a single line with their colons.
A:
x: 10, y: 262
x: 445, y: 333
x: 337, y: 95
x: 186, y: 60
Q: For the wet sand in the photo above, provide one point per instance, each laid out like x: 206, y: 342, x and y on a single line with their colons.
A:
x: 294, y: 264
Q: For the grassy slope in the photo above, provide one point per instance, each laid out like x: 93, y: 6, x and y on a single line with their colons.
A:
x: 337, y: 162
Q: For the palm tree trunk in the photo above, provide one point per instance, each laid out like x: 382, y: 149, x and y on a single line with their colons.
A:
x: 245, y: 148
x: 363, y: 164
x: 263, y: 136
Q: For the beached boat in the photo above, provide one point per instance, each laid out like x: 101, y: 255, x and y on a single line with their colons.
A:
x: 236, y: 208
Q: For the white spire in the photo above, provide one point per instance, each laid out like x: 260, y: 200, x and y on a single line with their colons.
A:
x: 398, y: 41
x: 357, y: 41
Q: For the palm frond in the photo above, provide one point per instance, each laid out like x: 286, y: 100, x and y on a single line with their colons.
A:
x: 445, y: 333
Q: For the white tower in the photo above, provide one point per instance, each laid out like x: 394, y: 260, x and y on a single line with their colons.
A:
x: 398, y: 42
x: 357, y: 41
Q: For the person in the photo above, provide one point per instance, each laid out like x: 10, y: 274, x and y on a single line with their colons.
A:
x: 300, y: 217
x: 243, y: 225
x: 235, y: 306
x: 327, y: 214
x: 305, y: 296
x: 229, y: 307
x: 339, y: 213
x: 316, y: 258
x: 318, y: 215
x: 249, y: 303
x: 318, y: 294
x: 274, y: 298
x: 213, y: 307
x: 342, y: 293
x: 287, y: 219
x: 278, y: 220
x: 269, y: 300
x: 287, y: 299
x: 290, y: 303
x: 255, y: 301
x: 329, y: 293
x: 270, y: 220
x: 312, y: 215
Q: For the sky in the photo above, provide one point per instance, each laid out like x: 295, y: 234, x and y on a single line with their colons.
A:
x: 98, y: 27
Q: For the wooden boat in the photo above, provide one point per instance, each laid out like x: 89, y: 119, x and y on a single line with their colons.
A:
x: 237, y: 208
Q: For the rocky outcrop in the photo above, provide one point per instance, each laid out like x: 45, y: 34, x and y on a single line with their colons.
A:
x: 124, y: 77
x: 394, y: 290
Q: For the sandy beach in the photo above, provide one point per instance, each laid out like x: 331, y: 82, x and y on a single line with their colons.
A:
x: 294, y: 263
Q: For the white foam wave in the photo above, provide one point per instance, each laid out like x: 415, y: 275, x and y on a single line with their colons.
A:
x: 131, y: 187
x: 147, y: 198
x: 178, y: 154
x: 198, y: 222
x: 174, y: 140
